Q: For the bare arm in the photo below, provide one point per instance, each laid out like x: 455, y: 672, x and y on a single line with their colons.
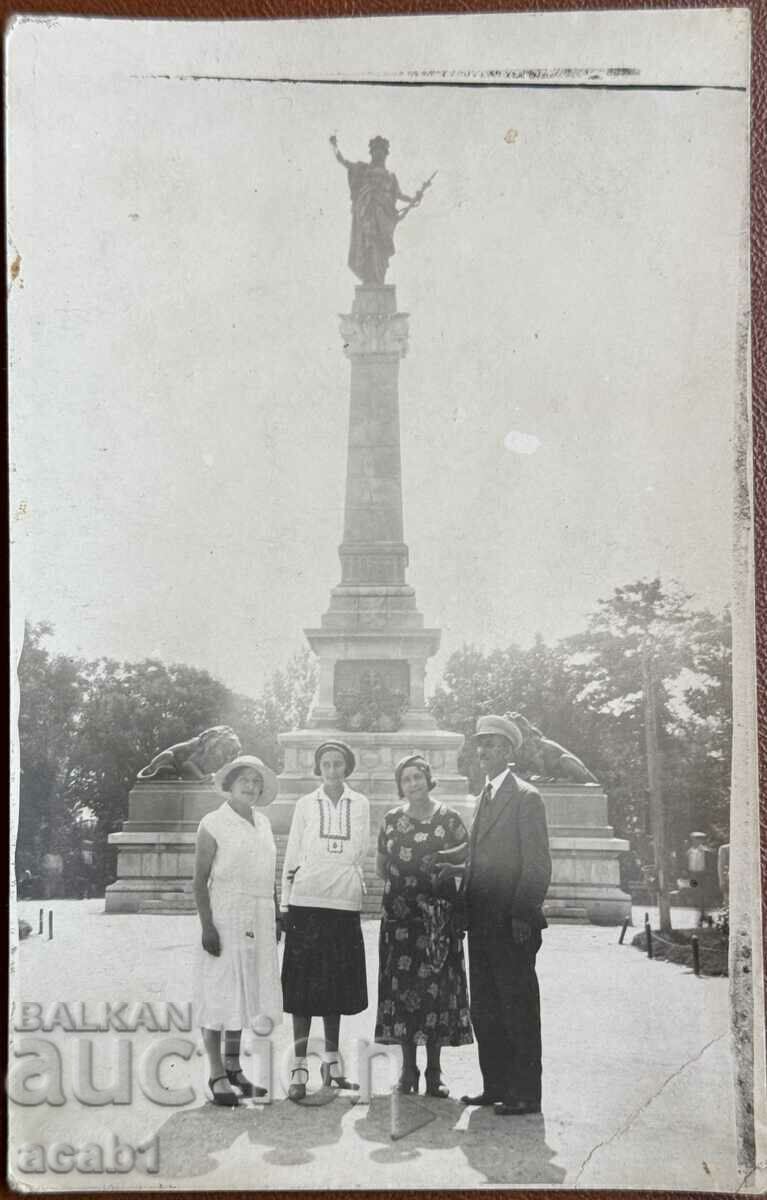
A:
x: 381, y: 865
x: 454, y: 854
x: 343, y: 161
x: 205, y: 852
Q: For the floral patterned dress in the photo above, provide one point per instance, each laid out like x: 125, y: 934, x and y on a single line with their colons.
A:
x: 422, y: 993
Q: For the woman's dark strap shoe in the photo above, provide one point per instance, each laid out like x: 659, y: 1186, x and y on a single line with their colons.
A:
x: 408, y: 1081
x: 225, y: 1099
x: 339, y: 1081
x: 435, y: 1086
x: 240, y: 1080
x: 297, y: 1088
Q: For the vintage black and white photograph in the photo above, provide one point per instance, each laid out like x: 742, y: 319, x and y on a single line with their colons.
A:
x: 384, y: 807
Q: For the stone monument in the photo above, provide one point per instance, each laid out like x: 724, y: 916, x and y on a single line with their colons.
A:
x: 155, y: 848
x: 585, y: 854
x: 371, y: 643
x: 372, y: 646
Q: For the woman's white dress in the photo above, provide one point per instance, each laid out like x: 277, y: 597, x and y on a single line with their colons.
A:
x: 240, y: 987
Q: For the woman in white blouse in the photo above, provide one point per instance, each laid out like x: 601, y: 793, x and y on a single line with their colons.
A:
x: 323, y: 969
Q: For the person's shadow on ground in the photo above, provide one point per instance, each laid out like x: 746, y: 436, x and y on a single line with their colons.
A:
x: 197, y: 1141
x: 503, y: 1150
x: 510, y: 1151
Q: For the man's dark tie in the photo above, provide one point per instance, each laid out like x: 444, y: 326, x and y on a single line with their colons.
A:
x: 486, y: 795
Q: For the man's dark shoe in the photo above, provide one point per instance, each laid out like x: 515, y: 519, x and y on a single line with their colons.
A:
x: 513, y: 1107
x: 482, y: 1100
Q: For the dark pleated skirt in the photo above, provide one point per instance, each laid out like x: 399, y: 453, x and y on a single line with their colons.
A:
x: 323, y: 966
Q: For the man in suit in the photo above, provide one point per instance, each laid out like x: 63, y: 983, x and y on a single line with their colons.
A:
x: 508, y: 872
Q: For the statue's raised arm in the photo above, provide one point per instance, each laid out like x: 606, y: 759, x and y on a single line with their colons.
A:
x: 375, y: 193
x: 334, y: 143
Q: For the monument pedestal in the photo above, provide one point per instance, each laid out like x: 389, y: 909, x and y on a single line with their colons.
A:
x: 155, y: 850
x: 585, y: 856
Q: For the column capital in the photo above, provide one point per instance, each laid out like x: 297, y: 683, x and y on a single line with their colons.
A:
x: 374, y: 333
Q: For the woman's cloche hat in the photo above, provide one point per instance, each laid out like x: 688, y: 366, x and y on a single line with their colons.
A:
x: 269, y: 790
x: 342, y: 748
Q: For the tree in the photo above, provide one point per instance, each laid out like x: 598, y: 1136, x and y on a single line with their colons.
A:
x: 50, y: 698
x: 283, y: 705
x: 129, y: 712
x: 535, y: 682
x: 86, y: 729
x: 633, y: 658
x: 588, y: 693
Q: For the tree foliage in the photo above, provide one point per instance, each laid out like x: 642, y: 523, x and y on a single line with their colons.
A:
x: 586, y: 692
x: 49, y: 711
x: 87, y: 728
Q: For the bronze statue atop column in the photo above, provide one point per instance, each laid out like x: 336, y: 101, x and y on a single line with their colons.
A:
x: 375, y: 193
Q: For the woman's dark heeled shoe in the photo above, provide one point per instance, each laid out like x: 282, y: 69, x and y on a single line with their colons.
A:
x: 408, y: 1081
x: 330, y: 1080
x: 435, y: 1086
x: 225, y: 1099
x: 297, y: 1091
x: 240, y: 1080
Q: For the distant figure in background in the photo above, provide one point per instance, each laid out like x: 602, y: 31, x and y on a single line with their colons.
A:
x: 25, y: 885
x: 238, y: 984
x: 630, y: 867
x: 507, y: 877
x: 323, y: 967
x: 698, y: 857
x: 723, y: 871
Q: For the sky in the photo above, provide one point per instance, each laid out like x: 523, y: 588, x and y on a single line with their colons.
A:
x: 179, y: 394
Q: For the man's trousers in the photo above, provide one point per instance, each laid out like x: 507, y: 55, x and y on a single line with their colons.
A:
x: 506, y: 1012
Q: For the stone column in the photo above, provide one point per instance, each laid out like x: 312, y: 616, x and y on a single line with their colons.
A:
x: 373, y: 551
x: 371, y: 642
x: 372, y: 628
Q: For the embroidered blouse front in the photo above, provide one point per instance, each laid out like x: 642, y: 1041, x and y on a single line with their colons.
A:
x: 326, y: 849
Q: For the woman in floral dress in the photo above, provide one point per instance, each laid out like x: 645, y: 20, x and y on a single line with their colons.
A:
x: 422, y: 993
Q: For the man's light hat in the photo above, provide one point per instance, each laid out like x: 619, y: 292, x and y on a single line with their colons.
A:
x: 269, y: 789
x: 499, y: 727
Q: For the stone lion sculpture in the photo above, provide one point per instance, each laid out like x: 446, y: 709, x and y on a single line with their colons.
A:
x: 540, y: 757
x: 199, y: 758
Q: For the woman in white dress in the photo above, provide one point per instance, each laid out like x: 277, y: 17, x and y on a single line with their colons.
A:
x: 238, y: 983
x: 323, y: 968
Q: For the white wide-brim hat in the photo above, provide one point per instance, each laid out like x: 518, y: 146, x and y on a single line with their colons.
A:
x: 269, y: 790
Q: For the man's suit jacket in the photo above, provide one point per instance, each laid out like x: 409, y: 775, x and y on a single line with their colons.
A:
x: 509, y: 867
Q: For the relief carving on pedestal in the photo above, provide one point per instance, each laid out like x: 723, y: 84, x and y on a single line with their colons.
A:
x: 371, y: 697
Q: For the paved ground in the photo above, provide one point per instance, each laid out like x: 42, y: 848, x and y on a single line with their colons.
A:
x: 637, y: 1086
